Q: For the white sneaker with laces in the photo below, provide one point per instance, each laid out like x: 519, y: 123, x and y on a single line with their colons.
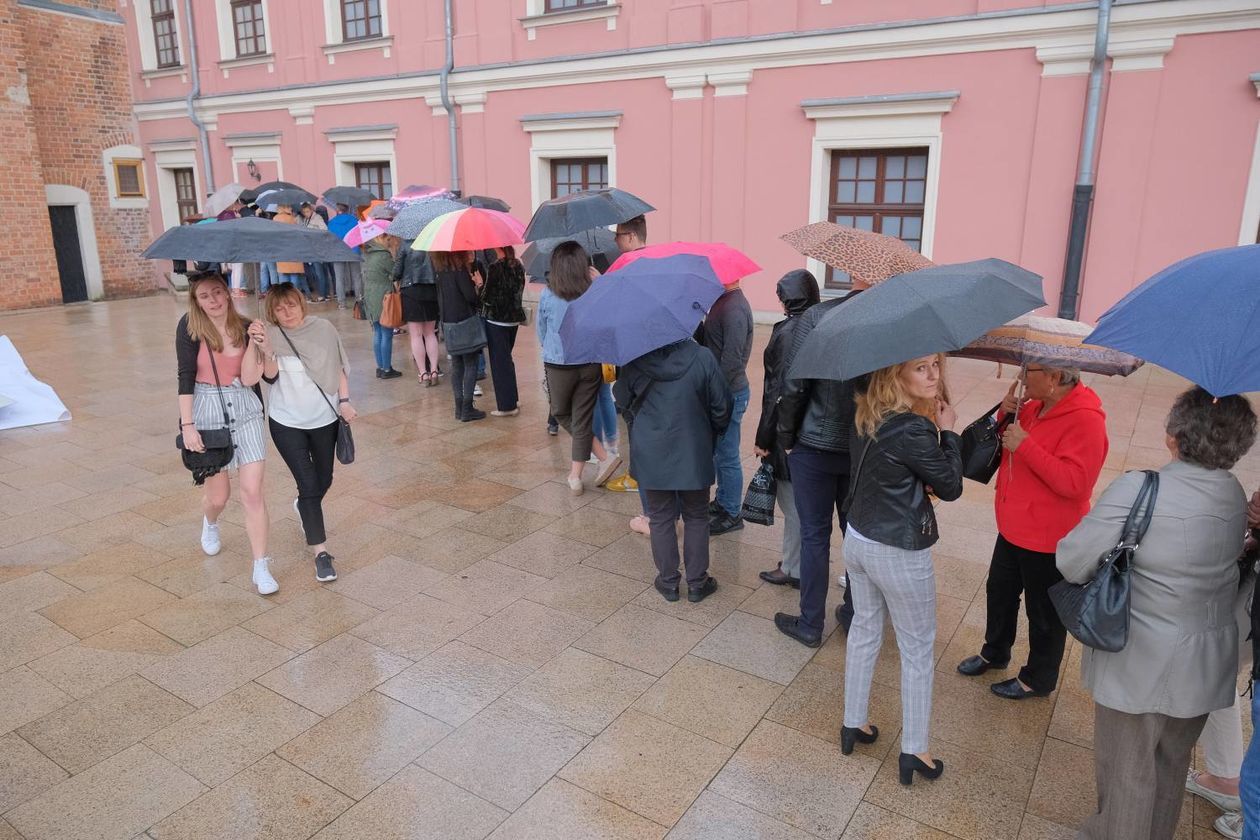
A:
x: 210, y: 543
x: 262, y: 577
x: 477, y: 392
x: 1230, y: 825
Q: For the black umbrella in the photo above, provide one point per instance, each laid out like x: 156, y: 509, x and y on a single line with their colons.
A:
x: 485, y: 202
x: 350, y: 196
x: 292, y: 196
x: 579, y: 211
x: 251, y: 195
x: 932, y: 310
x: 249, y: 240
x: 600, y: 244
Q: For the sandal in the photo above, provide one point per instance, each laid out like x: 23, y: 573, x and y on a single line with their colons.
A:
x: 423, y: 377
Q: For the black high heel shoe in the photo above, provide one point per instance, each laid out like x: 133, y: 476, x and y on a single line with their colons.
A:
x: 850, y: 737
x: 909, y: 764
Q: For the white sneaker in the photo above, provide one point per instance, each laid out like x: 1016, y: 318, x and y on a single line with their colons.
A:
x: 210, y: 543
x: 575, y: 486
x: 262, y: 577
x: 1230, y: 825
x: 477, y: 392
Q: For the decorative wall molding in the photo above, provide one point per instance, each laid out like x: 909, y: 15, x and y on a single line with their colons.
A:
x: 536, y: 17
x: 686, y: 86
x: 575, y: 121
x: 1139, y: 54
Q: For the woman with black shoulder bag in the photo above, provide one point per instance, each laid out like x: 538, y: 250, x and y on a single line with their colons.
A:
x: 458, y: 290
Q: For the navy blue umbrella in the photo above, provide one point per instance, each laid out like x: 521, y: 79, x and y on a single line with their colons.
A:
x: 1199, y: 318
x: 648, y: 304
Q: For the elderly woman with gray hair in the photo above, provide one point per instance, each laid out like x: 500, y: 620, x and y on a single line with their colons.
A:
x: 1181, y: 661
x: 1052, y: 455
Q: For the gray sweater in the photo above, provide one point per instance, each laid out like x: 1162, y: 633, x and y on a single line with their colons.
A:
x: 728, y: 331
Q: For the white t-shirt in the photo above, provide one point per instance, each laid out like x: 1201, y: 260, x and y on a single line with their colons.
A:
x: 294, y: 400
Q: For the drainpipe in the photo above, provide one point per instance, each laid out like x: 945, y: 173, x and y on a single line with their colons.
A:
x: 193, y: 94
x: 446, y: 97
x: 1083, y: 194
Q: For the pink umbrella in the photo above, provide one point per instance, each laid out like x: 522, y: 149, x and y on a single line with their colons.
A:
x: 728, y: 264
x: 364, y: 231
x: 469, y: 230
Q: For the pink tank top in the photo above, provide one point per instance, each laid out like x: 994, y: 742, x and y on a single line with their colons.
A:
x: 229, y: 366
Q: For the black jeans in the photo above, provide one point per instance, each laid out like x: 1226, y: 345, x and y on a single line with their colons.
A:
x: 309, y: 456
x: 820, y: 481
x: 663, y: 509
x: 463, y: 376
x: 1014, y: 570
x: 500, y: 341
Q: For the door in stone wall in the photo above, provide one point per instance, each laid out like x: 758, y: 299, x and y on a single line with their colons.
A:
x: 65, y: 231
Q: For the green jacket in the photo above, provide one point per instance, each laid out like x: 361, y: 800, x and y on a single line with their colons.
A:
x: 378, y: 269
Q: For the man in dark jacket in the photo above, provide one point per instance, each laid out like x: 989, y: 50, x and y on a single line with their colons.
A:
x: 814, y: 423
x: 797, y: 291
x: 676, y: 404
x: 727, y: 332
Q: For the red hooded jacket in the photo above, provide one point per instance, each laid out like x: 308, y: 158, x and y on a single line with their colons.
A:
x: 1044, y: 487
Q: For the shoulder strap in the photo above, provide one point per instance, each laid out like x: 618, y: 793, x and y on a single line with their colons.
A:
x: 857, y: 473
x: 1139, y: 519
x: 313, y: 382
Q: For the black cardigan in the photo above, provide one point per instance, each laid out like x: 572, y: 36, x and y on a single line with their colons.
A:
x: 457, y: 296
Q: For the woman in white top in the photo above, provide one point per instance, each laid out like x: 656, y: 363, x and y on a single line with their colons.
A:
x: 305, y: 364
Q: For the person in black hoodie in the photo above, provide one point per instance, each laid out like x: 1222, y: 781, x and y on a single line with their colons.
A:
x: 797, y: 291
x: 676, y: 403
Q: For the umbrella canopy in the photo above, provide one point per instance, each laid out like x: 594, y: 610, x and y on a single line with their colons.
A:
x: 1199, y: 318
x: 868, y: 258
x: 485, y: 202
x: 222, y: 198
x: 932, y: 310
x: 417, y: 192
x: 469, y: 229
x: 412, y: 218
x: 251, y: 195
x: 729, y: 264
x: 579, y: 211
x: 380, y: 209
x: 600, y: 244
x: 364, y: 232
x: 292, y: 197
x: 249, y: 240
x: 350, y: 196
x: 1056, y: 342
x: 648, y: 304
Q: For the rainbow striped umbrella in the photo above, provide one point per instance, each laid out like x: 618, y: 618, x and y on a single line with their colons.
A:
x: 1056, y: 342
x: 469, y: 230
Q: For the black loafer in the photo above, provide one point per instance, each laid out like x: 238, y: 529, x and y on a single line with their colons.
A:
x: 1012, y: 690
x: 778, y: 577
x: 702, y: 591
x: 789, y: 625
x: 669, y: 593
x: 974, y: 666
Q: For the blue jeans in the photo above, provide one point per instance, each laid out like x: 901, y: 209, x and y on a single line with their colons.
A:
x: 298, y: 281
x: 267, y: 275
x: 604, y: 425
x: 1249, y: 784
x: 318, y: 275
x: 383, y: 345
x: 730, y: 473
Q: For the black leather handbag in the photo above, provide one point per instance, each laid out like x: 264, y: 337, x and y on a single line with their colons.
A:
x: 219, y: 448
x: 982, y: 446
x: 466, y: 336
x: 1097, y: 613
x: 345, y: 438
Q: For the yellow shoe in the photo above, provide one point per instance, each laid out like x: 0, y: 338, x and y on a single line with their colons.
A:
x: 623, y: 484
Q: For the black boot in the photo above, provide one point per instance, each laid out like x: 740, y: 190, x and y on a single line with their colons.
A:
x: 459, y: 409
x: 471, y: 412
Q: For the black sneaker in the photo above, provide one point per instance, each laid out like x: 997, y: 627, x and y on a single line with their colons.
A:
x: 324, y: 571
x: 553, y: 429
x: 389, y: 374
x: 703, y: 591
x: 715, y: 509
x: 724, y: 523
x: 669, y: 593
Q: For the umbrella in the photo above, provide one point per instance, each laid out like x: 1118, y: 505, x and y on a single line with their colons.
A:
x: 600, y: 244
x: 294, y: 197
x: 222, y: 198
x: 469, y: 229
x: 1199, y: 318
x: 249, y: 240
x: 412, y: 218
x: 932, y: 310
x: 350, y: 196
x: 417, y: 192
x: 867, y: 257
x: 250, y: 196
x: 729, y: 264
x: 1056, y: 342
x: 648, y: 304
x: 364, y: 231
x: 485, y: 202
x: 579, y: 211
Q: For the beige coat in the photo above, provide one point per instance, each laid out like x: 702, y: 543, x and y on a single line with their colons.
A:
x: 1182, y: 655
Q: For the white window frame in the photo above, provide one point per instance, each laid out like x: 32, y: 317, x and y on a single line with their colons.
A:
x: 536, y: 15
x: 891, y: 121
x: 362, y: 144
x: 334, y: 40
x: 579, y: 135
x: 1251, y: 203
x: 62, y: 195
x: 168, y: 155
x: 148, y: 46
x: 228, y: 59
x: 116, y: 201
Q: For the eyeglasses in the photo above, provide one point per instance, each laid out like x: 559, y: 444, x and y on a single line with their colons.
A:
x: 1034, y: 370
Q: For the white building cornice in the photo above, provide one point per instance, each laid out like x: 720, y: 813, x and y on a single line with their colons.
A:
x: 885, y: 105
x: 576, y: 121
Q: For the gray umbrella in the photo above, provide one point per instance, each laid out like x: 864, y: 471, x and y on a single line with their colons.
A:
x: 932, y: 310
x: 350, y: 196
x: 600, y: 244
x: 486, y: 202
x: 579, y: 211
x: 284, y: 195
x: 249, y: 240
x: 412, y: 218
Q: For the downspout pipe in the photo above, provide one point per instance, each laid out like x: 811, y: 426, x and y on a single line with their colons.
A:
x: 1083, y: 194
x: 193, y: 94
x: 444, y: 83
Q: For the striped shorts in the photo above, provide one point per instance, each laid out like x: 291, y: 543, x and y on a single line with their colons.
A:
x: 245, y: 418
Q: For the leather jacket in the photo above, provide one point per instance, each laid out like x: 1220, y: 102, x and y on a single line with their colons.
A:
x: 888, y: 500
x: 817, y: 413
x: 798, y: 290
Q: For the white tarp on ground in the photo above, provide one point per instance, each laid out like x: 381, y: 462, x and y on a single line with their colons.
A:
x: 24, y: 400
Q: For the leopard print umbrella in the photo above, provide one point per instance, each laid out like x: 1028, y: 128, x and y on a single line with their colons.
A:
x: 868, y: 258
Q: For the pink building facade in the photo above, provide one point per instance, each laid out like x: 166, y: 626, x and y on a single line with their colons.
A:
x: 955, y: 124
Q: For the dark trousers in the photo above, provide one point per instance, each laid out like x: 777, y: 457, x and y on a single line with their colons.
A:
x: 663, y: 509
x: 820, y: 481
x: 463, y: 376
x: 574, y: 390
x: 500, y: 341
x: 1011, y: 571
x: 308, y: 453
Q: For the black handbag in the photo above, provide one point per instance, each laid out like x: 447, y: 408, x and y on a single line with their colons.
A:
x: 1097, y: 613
x: 345, y: 439
x: 466, y: 336
x: 219, y: 448
x: 759, y: 500
x: 982, y: 446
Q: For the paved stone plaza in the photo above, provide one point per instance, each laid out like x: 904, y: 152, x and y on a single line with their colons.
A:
x: 493, y: 661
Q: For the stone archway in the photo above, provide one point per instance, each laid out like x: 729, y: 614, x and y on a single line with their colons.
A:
x: 63, y: 195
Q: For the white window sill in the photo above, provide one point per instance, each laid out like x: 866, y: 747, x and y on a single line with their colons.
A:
x: 248, y: 61
x: 384, y: 44
x: 608, y: 13
x: 164, y: 73
x: 131, y: 202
